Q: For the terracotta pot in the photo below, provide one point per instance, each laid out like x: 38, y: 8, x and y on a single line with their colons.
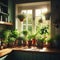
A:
x: 39, y: 44
x: 21, y: 19
x: 29, y: 44
x: 34, y: 42
x: 23, y: 43
x: 4, y: 45
x: 11, y: 45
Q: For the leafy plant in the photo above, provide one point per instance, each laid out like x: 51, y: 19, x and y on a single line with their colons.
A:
x: 11, y: 39
x: 15, y: 34
x: 25, y: 32
x: 29, y: 37
x: 21, y: 17
x: 6, y: 35
x: 44, y: 30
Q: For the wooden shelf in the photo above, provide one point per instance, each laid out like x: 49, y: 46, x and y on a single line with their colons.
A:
x: 3, y: 5
x: 4, y: 13
x: 5, y: 23
x: 5, y: 51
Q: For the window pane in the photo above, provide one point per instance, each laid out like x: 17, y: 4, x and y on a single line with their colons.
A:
x: 24, y: 27
x: 30, y: 28
x: 28, y: 20
x: 37, y: 12
x: 29, y: 16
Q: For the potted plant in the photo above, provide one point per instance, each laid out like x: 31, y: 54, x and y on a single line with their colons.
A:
x: 13, y: 37
x: 25, y: 32
x: 34, y: 38
x: 42, y: 35
x: 40, y: 42
x: 29, y: 41
x: 21, y: 17
x: 15, y: 33
x: 47, y: 15
x: 11, y: 41
x: 6, y: 35
x: 50, y: 43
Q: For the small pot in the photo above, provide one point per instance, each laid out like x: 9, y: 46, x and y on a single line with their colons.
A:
x: 29, y: 44
x: 39, y: 44
x: 21, y: 19
x: 23, y: 43
x: 34, y: 42
x: 11, y: 45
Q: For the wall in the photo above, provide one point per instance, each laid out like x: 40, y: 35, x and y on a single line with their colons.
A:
x: 55, y: 7
x: 26, y: 1
x: 11, y: 11
x: 11, y: 17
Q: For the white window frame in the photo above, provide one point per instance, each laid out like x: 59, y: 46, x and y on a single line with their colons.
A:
x: 33, y: 6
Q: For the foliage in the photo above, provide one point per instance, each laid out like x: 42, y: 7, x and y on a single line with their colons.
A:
x: 29, y: 37
x: 15, y: 34
x: 40, y: 39
x: 10, y: 36
x: 21, y: 16
x: 25, y: 32
x: 6, y: 35
x: 50, y: 40
x: 11, y: 39
x: 43, y: 30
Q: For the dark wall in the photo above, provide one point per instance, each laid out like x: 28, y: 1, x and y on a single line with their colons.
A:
x: 11, y: 11
x: 26, y: 1
x: 55, y: 9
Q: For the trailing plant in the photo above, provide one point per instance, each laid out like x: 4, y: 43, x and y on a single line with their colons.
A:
x: 21, y: 17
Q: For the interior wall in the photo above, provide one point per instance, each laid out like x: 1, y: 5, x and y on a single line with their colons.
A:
x: 26, y: 1
x: 11, y: 11
x: 55, y: 7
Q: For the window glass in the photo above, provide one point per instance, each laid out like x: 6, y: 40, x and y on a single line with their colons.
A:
x: 27, y: 24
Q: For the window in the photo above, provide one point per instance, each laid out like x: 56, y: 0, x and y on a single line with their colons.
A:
x: 27, y: 24
x: 34, y: 12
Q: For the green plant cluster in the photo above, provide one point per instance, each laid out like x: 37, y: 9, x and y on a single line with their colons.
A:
x: 21, y: 16
x: 10, y: 35
x: 25, y: 32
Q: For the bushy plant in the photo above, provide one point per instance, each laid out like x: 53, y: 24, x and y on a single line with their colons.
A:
x: 21, y: 16
x: 15, y: 34
x: 6, y: 35
x: 11, y: 39
x: 25, y: 32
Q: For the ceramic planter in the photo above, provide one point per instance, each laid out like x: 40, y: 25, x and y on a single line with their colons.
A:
x: 34, y: 42
x: 29, y: 44
x: 39, y: 44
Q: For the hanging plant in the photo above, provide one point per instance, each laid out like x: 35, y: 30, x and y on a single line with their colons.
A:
x: 56, y: 22
x: 21, y: 17
x: 40, y: 20
x: 48, y: 16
